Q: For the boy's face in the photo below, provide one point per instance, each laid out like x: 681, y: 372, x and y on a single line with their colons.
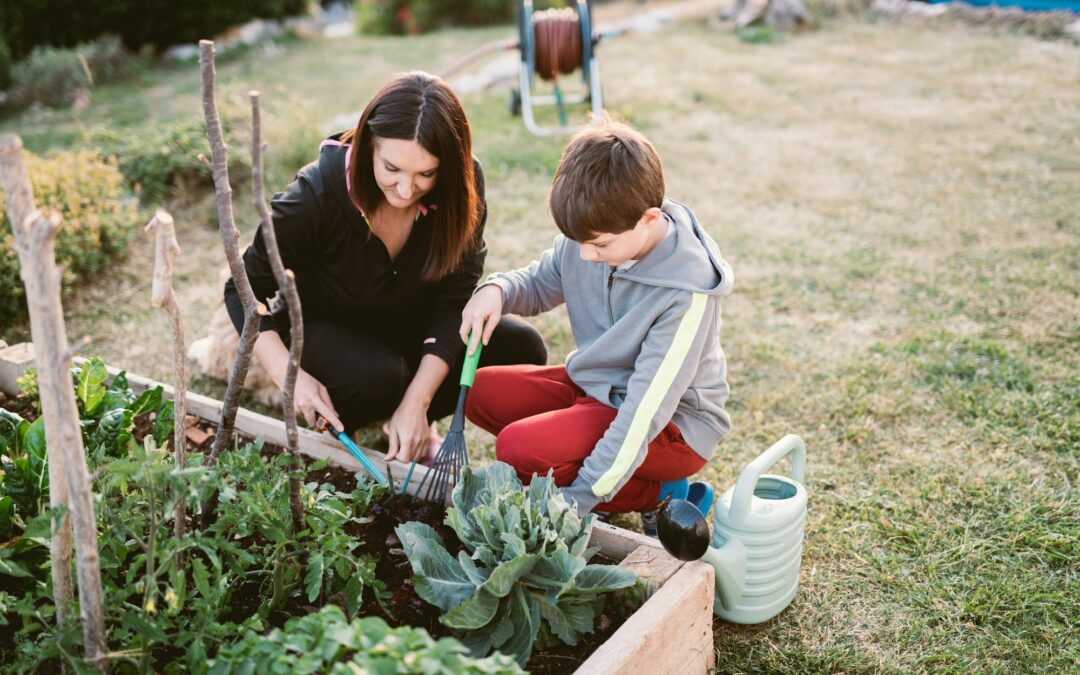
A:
x: 633, y: 244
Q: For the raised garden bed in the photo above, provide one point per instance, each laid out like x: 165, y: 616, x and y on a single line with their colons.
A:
x: 670, y: 633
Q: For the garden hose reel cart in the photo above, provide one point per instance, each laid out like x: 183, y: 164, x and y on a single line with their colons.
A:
x: 564, y: 42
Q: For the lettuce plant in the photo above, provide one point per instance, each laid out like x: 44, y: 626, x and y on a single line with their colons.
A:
x: 523, y: 575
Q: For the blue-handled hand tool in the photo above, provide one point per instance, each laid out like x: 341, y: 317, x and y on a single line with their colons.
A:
x: 323, y: 424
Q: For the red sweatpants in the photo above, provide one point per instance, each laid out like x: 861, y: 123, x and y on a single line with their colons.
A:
x: 542, y: 420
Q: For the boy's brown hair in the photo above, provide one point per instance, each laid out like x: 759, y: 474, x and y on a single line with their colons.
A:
x: 609, y: 175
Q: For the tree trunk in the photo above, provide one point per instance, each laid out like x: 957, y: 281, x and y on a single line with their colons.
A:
x: 162, y: 295
x: 35, y: 238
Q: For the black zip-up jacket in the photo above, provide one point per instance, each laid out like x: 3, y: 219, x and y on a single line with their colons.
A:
x: 344, y: 273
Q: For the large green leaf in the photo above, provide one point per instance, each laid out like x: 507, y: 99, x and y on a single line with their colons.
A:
x: 525, y: 619
x: 603, y: 578
x: 506, y: 575
x: 12, y: 428
x: 8, y: 565
x: 162, y: 428
x: 7, y: 514
x: 474, y: 613
x: 568, y: 620
x: 90, y: 387
x: 438, y: 578
x: 314, y: 578
x: 150, y: 400
x: 477, y: 575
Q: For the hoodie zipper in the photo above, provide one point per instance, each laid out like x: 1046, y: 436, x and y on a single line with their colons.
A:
x: 610, y: 283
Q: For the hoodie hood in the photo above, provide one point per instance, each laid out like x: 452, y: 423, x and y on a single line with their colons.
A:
x: 688, y: 259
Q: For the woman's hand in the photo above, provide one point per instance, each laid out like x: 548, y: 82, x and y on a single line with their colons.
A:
x: 311, y: 399
x: 409, y: 432
x: 481, y: 315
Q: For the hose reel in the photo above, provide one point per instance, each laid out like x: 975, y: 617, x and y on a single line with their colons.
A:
x: 555, y: 42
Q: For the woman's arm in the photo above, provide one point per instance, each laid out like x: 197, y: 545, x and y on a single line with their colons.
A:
x: 310, y: 396
x: 408, y: 429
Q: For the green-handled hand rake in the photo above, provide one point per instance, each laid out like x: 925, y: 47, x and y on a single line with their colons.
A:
x: 452, y: 455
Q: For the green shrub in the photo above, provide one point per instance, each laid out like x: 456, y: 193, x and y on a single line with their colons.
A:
x: 400, y: 17
x: 55, y: 76
x: 160, y: 161
x: 5, y: 65
x: 26, y: 24
x: 88, y: 192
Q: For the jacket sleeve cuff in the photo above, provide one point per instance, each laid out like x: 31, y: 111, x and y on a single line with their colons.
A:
x: 447, y: 350
x: 581, y: 496
x: 505, y: 287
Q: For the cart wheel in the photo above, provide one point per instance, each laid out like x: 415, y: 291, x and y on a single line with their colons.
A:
x: 514, y: 104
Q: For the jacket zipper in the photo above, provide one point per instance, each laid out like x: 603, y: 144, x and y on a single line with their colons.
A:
x: 610, y: 283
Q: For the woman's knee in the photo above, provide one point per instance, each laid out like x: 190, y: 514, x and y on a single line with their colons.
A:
x: 517, y: 341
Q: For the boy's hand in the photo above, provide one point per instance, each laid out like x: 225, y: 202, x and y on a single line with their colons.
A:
x: 481, y: 315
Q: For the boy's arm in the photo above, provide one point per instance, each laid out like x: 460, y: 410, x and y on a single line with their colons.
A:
x: 535, y: 288
x: 664, y: 369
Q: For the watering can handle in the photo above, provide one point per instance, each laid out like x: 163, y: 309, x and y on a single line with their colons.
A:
x: 744, y: 486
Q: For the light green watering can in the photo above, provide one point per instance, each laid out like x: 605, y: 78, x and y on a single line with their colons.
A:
x: 757, y: 537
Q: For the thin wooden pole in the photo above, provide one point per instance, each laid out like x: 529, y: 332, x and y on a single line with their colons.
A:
x: 230, y: 237
x: 162, y: 295
x: 287, y: 286
x: 35, y: 243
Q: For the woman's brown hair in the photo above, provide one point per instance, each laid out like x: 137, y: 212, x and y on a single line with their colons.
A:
x: 420, y: 107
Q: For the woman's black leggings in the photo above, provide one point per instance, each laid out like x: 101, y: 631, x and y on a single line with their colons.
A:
x: 367, y: 375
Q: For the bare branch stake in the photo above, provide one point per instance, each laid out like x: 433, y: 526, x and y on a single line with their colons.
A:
x: 230, y: 238
x: 162, y: 295
x: 287, y: 286
x: 69, y: 480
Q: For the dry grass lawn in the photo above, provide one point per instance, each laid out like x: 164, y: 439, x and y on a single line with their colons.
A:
x: 900, y: 206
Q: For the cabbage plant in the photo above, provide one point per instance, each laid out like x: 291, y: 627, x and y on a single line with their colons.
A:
x: 523, y: 576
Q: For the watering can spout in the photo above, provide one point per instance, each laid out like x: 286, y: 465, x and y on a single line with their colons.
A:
x: 729, y: 562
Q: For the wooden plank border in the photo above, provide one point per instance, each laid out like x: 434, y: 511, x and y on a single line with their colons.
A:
x: 670, y: 633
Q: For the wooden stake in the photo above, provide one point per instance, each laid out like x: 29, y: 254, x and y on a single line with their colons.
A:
x: 162, y: 295
x: 69, y: 480
x: 230, y: 237
x: 287, y: 286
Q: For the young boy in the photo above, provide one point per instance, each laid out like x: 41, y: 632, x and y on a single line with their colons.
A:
x: 640, y: 402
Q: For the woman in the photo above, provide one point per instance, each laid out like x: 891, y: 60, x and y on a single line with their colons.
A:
x: 384, y: 233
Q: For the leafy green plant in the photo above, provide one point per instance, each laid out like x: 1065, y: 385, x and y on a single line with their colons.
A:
x: 523, y: 576
x: 108, y: 411
x: 88, y: 192
x: 327, y: 642
x: 24, y: 475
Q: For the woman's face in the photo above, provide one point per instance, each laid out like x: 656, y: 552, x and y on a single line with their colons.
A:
x: 404, y: 171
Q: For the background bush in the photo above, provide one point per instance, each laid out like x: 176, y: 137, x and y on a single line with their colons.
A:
x: 159, y: 162
x: 88, y: 191
x: 5, y: 65
x: 54, y: 76
x: 400, y: 17
x: 26, y: 24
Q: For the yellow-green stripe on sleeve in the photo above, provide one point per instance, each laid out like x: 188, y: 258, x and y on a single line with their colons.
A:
x: 654, y: 396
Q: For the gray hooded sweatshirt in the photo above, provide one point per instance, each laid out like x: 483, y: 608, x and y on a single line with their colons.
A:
x: 648, y: 343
